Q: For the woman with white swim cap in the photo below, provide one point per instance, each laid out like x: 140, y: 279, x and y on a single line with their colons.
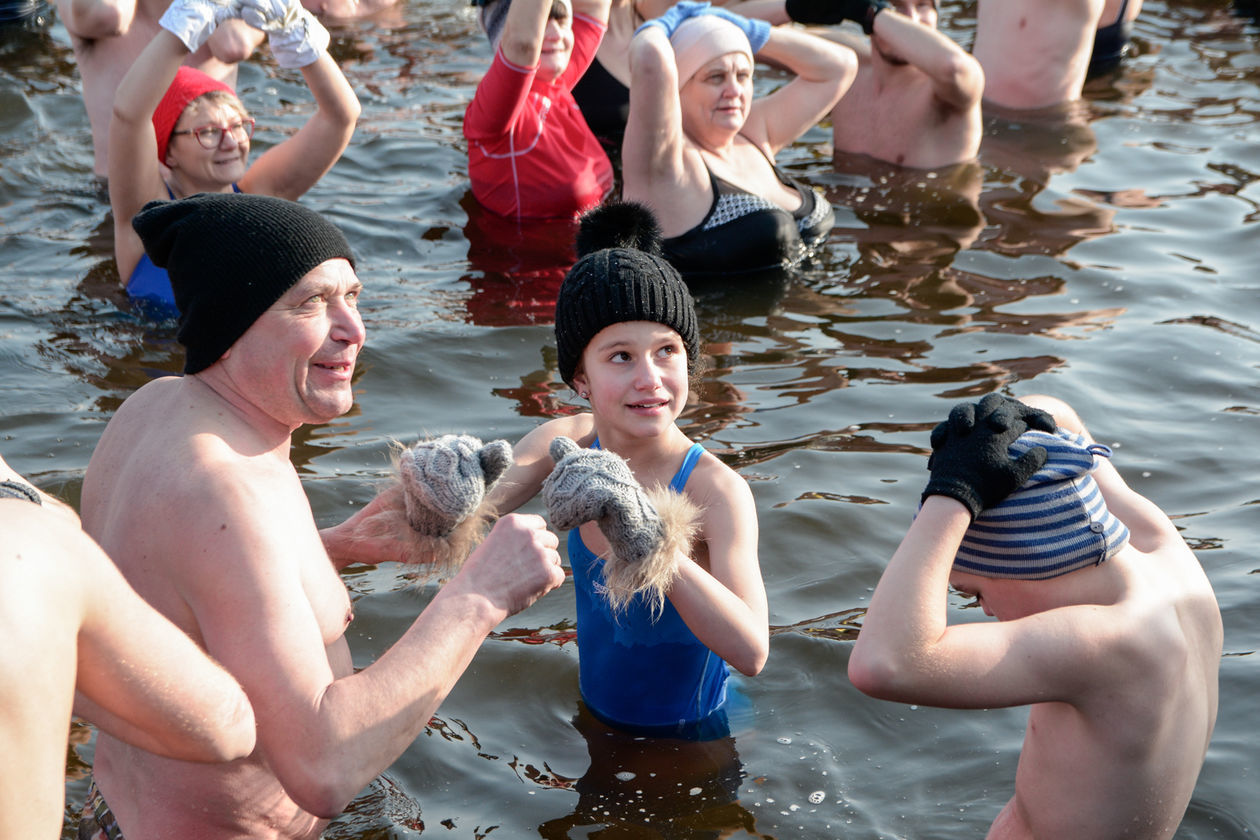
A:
x: 699, y: 149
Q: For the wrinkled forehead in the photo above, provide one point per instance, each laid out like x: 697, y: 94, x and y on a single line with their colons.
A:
x: 727, y: 61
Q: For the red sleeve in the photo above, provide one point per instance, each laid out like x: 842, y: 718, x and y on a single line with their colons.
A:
x: 499, y: 98
x: 587, y: 33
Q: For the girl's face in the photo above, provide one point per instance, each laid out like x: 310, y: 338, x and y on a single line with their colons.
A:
x: 218, y: 167
x: 716, y: 100
x: 635, y: 374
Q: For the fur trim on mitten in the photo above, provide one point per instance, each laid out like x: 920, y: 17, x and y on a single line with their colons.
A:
x: 653, y: 575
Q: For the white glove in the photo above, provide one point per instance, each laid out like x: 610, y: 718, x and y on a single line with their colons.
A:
x: 193, y: 21
x: 270, y: 15
x: 296, y: 37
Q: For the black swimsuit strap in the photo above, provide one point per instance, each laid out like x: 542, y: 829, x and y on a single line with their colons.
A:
x: 10, y: 489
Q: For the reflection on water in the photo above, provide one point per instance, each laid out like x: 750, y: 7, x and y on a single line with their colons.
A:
x: 653, y: 787
x: 1105, y: 254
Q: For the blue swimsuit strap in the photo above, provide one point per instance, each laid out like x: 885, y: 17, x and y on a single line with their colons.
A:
x: 679, y: 481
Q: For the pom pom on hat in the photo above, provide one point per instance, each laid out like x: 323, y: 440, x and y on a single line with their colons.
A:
x: 189, y: 83
x: 620, y: 276
x: 230, y: 257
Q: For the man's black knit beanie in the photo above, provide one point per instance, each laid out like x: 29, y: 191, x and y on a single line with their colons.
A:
x: 230, y: 257
x: 620, y: 276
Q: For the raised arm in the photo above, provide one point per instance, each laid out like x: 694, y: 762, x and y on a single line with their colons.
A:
x: 134, y: 175
x: 725, y: 605
x: 957, y: 79
x: 299, y: 41
x: 656, y: 168
x: 824, y: 71
x: 523, y: 31
x: 324, y: 731
x: 905, y: 650
x: 293, y: 166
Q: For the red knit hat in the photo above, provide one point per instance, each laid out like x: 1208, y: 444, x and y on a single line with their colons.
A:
x: 188, y: 85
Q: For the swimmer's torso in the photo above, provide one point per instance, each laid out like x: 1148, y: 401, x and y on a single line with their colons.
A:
x: 141, y: 501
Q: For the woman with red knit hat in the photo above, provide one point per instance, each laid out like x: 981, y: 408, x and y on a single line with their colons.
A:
x: 176, y: 132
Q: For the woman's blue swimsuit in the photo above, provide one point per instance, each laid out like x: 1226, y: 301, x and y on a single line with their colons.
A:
x: 640, y: 674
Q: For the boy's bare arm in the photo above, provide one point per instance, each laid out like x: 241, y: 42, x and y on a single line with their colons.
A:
x: 907, y: 653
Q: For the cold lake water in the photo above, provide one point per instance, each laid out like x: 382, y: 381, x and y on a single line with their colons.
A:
x: 1111, y: 258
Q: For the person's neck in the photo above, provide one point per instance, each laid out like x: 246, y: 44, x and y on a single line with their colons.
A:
x: 647, y: 456
x: 268, y: 433
x: 182, y: 188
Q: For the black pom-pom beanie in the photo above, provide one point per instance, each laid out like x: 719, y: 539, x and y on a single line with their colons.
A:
x: 620, y: 276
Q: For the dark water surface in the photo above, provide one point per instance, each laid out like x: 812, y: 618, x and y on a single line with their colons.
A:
x: 1111, y: 260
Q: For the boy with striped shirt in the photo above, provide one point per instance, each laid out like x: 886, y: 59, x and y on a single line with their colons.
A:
x: 1107, y: 626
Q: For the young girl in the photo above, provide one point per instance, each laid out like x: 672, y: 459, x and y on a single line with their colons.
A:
x: 627, y: 342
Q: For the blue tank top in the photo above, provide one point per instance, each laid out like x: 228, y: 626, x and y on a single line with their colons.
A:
x: 150, y: 286
x: 638, y: 674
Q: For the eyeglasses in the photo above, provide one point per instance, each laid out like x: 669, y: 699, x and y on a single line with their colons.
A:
x: 210, y: 136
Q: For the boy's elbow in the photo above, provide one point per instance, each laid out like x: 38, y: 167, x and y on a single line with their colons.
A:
x: 876, y: 674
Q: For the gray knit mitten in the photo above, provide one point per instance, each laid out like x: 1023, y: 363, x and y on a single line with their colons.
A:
x: 596, y: 485
x: 444, y: 480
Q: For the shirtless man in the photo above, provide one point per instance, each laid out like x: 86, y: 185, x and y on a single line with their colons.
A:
x: 69, y: 621
x: 916, y: 99
x: 1108, y: 626
x: 192, y: 492
x: 1037, y: 54
x: 107, y: 35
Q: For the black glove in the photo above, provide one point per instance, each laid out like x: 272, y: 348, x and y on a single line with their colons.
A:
x: 970, y: 461
x: 836, y: 11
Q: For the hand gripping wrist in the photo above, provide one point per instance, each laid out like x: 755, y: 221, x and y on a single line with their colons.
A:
x: 194, y: 21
